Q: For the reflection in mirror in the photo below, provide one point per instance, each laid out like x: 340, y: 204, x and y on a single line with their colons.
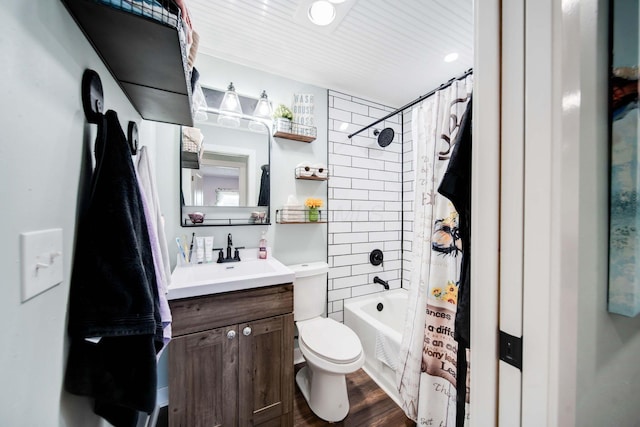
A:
x: 229, y: 180
x: 221, y: 179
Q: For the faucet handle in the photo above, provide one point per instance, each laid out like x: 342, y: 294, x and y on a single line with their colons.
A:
x: 236, y: 254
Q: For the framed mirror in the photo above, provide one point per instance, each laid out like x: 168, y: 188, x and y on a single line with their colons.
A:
x: 224, y: 172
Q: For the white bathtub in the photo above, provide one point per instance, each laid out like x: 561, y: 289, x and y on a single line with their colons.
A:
x: 362, y: 316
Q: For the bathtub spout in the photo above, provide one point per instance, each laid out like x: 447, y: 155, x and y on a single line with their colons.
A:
x: 382, y: 282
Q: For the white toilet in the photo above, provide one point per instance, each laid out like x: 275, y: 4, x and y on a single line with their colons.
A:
x: 330, y: 348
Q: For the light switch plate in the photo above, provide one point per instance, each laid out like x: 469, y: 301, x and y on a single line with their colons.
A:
x: 41, y: 261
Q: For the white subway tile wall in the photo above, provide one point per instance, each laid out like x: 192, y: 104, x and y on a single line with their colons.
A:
x: 365, y: 200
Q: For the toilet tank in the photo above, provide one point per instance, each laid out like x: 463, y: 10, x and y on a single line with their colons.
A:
x: 309, y: 290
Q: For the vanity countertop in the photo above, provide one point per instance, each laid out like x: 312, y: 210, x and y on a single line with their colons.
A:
x: 213, y: 278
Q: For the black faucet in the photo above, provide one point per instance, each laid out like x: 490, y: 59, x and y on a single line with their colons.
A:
x: 229, y: 258
x: 229, y: 245
x: 382, y: 282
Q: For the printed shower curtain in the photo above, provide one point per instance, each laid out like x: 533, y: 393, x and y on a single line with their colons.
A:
x: 426, y: 375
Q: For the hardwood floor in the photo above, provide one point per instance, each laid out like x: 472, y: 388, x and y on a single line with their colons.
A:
x: 369, y: 406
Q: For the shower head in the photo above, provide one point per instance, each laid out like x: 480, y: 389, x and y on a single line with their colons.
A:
x: 385, y: 136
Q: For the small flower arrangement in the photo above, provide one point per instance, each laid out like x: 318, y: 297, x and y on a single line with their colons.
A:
x: 313, y: 203
x: 283, y: 112
x: 449, y: 294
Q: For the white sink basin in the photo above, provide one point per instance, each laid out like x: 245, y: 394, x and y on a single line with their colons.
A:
x: 212, y: 278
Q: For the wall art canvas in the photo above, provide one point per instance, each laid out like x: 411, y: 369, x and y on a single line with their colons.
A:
x: 624, y: 208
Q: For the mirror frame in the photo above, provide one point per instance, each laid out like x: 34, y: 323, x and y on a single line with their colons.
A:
x: 226, y: 215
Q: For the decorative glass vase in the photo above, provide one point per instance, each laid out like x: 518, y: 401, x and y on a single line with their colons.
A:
x: 314, y: 214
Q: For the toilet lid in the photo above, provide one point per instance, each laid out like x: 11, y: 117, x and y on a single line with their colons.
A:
x: 330, y: 340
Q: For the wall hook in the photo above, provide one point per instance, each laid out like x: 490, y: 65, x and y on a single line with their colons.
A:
x: 92, y: 96
x: 132, y: 137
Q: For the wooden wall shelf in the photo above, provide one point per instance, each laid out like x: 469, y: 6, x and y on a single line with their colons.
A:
x: 294, y: 136
x: 296, y: 132
x: 312, y: 178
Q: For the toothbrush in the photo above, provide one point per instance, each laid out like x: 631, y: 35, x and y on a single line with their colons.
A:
x: 193, y: 236
x: 181, y: 249
x: 185, y: 246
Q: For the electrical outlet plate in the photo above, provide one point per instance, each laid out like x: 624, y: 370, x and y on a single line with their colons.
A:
x: 41, y: 261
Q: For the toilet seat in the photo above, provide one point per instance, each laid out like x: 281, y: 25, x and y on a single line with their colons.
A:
x: 330, y: 340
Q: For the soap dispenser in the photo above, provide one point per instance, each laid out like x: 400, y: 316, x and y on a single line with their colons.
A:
x: 262, y: 247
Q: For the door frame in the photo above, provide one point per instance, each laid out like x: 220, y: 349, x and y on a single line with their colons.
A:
x: 541, y: 247
x: 485, y: 214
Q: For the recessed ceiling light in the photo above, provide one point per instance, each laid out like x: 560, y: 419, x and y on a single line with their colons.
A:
x: 322, y: 12
x: 451, y: 57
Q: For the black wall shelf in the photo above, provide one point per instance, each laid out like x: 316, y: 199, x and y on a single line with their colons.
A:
x: 144, y: 56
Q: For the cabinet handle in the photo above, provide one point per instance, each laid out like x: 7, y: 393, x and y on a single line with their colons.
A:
x: 231, y: 334
x: 246, y: 331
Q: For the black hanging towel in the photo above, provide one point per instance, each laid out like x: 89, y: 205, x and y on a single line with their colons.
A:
x: 264, y: 196
x: 456, y: 186
x: 113, y: 292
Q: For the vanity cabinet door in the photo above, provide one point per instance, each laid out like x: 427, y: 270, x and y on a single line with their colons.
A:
x: 203, y: 379
x: 266, y: 372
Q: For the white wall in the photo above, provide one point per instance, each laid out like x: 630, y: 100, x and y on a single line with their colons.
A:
x: 44, y: 157
x: 291, y: 243
x: 365, y: 200
x: 608, y: 345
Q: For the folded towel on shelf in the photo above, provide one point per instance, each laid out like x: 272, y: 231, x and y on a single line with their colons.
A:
x: 191, y: 139
x: 320, y: 170
x: 293, y: 213
x: 304, y: 169
x: 387, y: 350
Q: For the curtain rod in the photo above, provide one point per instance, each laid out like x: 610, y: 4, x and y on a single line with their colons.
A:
x: 415, y: 101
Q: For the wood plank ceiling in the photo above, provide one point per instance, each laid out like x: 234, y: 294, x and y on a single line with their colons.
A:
x: 389, y: 51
